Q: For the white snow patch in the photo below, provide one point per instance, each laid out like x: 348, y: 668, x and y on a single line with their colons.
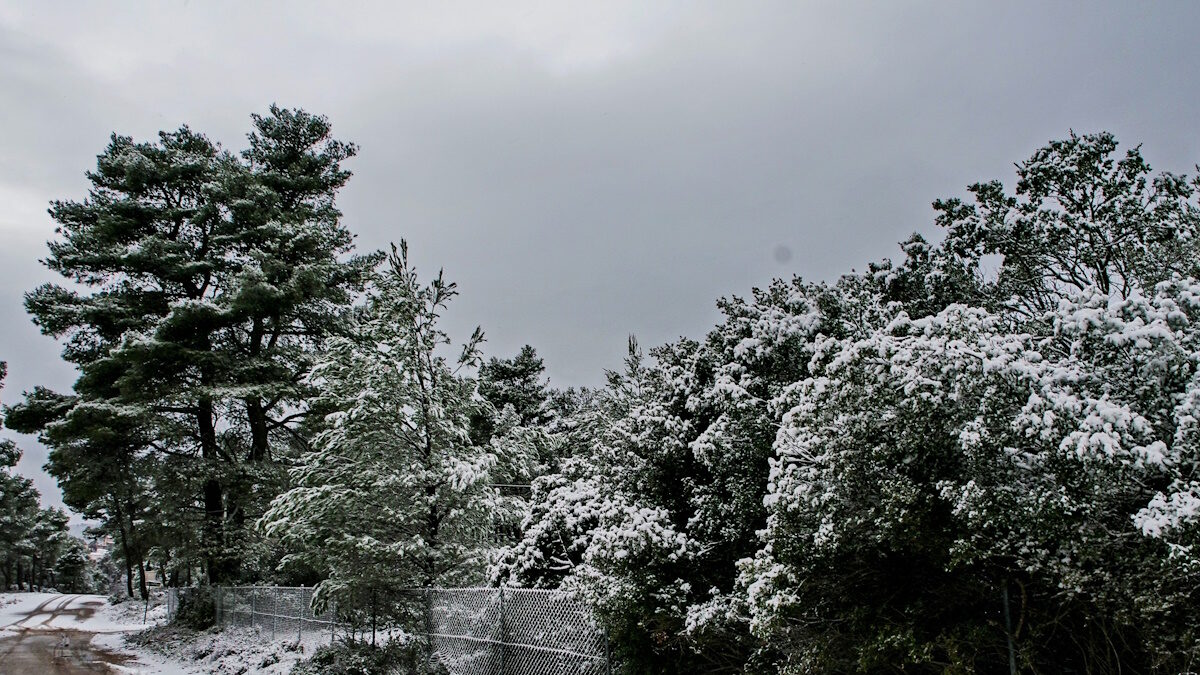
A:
x: 232, y: 651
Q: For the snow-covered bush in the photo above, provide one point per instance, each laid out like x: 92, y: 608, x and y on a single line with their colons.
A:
x: 864, y: 475
x: 351, y: 657
x: 1037, y: 454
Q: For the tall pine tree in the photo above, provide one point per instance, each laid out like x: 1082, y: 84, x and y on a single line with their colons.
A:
x: 394, y: 494
x: 203, y: 282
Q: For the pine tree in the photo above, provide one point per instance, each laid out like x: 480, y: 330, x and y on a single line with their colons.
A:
x: 31, y: 538
x: 516, y: 382
x: 209, y: 281
x: 393, y: 494
x: 99, y: 455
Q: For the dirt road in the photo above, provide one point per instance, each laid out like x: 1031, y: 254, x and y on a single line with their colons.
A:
x: 53, y: 636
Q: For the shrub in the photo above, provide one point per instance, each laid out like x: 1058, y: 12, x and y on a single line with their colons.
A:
x: 197, y: 608
x: 359, y: 657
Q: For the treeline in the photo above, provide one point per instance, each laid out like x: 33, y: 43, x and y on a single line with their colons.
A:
x: 981, y: 457
x: 36, y: 547
x: 983, y: 453
x: 203, y: 282
x: 209, y: 296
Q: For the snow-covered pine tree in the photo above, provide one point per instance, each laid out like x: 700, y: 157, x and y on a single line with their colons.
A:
x: 671, y: 460
x: 99, y: 457
x: 393, y: 495
x: 31, y: 538
x: 204, y: 283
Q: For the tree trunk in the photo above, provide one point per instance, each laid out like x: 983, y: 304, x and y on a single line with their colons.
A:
x: 126, y: 548
x: 256, y: 415
x: 214, y: 503
x: 213, y: 530
x: 142, y: 579
x: 128, y: 577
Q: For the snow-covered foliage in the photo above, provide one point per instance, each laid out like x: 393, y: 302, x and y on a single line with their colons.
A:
x: 1044, y: 444
x: 957, y: 451
x: 662, y: 493
x: 988, y: 449
x: 394, y: 495
x: 170, y: 649
x: 855, y: 476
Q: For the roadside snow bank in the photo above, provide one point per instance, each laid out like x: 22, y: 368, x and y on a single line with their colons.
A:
x: 233, y: 651
x: 148, y: 662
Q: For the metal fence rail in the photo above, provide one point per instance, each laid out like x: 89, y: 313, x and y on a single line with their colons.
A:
x: 471, y: 631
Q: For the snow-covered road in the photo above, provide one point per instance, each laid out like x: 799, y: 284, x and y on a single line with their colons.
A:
x: 53, y: 633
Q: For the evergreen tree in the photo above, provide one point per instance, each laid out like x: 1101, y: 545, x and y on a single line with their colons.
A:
x: 1036, y: 450
x: 101, y: 455
x: 209, y: 281
x: 18, y: 512
x: 394, y: 494
x: 72, y: 570
x: 516, y: 382
x: 32, y: 539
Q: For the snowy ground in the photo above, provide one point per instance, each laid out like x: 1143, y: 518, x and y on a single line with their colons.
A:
x: 52, y: 632
x: 126, y: 638
x: 234, y: 651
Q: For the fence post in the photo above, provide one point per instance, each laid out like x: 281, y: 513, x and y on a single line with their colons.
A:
x: 428, y: 626
x: 1012, y: 655
x: 503, y: 633
x: 300, y: 619
x: 252, y: 614
x: 607, y: 653
x: 274, y: 612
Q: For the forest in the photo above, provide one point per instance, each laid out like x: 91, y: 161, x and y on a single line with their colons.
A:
x: 982, y: 452
x: 36, y: 546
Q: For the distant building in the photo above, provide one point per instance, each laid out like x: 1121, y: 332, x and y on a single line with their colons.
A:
x: 99, y: 547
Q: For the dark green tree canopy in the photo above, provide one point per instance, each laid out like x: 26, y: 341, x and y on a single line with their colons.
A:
x: 202, y: 285
x: 518, y: 381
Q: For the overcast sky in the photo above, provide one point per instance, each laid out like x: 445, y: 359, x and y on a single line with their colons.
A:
x: 585, y: 172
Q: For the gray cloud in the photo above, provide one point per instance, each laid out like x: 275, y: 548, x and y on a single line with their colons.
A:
x: 593, y: 171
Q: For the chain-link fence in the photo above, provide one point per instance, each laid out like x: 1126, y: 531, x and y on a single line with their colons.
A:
x: 514, y: 631
x: 471, y: 631
x: 282, y: 613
